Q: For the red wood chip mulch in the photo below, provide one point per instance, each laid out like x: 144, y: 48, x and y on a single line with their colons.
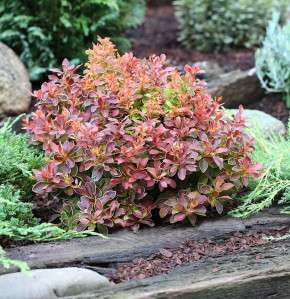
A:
x: 167, y: 259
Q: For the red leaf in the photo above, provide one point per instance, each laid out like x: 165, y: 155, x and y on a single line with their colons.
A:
x: 257, y: 166
x: 163, y: 211
x: 221, y: 150
x: 205, y: 189
x: 154, y: 152
x: 84, y: 221
x: 39, y: 187
x: 178, y: 217
x: 234, y: 176
x: 219, y: 206
x: 203, y: 165
x: 202, y: 136
x: 227, y: 186
x: 200, y: 210
x: 182, y: 174
x: 75, y: 89
x: 218, y: 161
x: 171, y: 202
x: 192, y: 218
x: 245, y: 181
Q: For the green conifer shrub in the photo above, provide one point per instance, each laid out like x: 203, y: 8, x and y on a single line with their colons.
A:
x: 17, y: 159
x: 275, y: 179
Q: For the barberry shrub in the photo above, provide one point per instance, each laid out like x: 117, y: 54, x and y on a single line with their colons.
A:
x: 129, y: 136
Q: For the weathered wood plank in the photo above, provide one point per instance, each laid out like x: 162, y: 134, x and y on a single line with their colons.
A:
x: 240, y: 275
x: 125, y: 245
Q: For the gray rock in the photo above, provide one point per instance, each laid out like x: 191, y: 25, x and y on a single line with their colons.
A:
x: 14, y: 82
x: 20, y: 286
x: 236, y: 87
x: 267, y: 123
x: 51, y: 283
x: 212, y: 69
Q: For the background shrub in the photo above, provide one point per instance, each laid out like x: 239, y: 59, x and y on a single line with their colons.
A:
x: 43, y: 32
x: 130, y: 131
x: 273, y: 59
x: 221, y: 25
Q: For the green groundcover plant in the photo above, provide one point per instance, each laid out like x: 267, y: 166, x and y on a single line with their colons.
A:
x: 17, y: 159
x: 275, y: 179
x: 273, y: 59
x: 129, y: 132
x: 43, y: 32
x: 7, y: 262
x: 222, y: 25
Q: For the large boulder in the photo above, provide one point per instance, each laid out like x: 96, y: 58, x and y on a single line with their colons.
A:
x: 268, y: 124
x: 236, y: 87
x: 14, y: 83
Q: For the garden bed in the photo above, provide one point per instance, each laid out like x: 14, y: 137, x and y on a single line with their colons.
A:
x: 219, y: 257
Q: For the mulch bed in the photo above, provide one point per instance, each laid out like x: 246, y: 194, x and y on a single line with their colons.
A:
x: 168, y: 259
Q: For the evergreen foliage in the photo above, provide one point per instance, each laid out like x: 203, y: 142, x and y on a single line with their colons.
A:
x: 273, y: 59
x: 275, y: 180
x: 43, y: 32
x: 17, y: 159
x: 7, y: 262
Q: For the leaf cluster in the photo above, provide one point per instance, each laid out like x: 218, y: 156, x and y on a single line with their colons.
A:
x: 273, y: 59
x: 222, y: 25
x: 43, y: 32
x: 275, y: 179
x: 130, y: 130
